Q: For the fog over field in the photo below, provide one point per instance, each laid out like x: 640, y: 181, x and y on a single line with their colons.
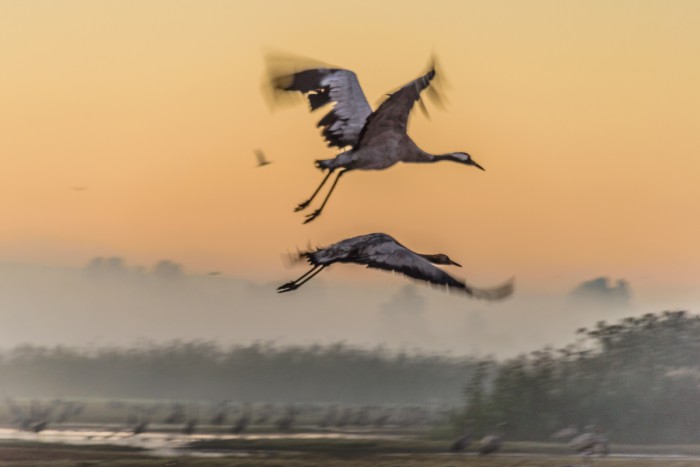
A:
x: 110, y: 302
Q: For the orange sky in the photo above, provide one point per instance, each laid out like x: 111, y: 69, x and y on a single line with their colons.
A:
x: 585, y: 115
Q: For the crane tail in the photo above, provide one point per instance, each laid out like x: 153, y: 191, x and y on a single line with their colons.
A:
x: 324, y: 164
x: 499, y: 292
x: 290, y: 259
x: 318, y: 257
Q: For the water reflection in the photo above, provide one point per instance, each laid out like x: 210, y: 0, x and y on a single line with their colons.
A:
x: 163, y: 443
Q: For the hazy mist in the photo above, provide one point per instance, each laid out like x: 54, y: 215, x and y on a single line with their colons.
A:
x: 110, y: 302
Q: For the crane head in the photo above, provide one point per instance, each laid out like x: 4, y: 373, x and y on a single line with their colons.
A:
x: 465, y: 158
x: 441, y: 259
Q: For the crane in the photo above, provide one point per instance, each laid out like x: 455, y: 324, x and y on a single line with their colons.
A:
x: 492, y: 443
x: 381, y: 251
x: 590, y: 441
x: 378, y: 139
x: 460, y: 443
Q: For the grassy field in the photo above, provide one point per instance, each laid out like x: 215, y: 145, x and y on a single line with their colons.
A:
x: 307, y: 453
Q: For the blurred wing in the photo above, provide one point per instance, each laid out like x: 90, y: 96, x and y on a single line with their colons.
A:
x: 260, y: 156
x: 394, y: 257
x: 342, y: 125
x: 392, y: 114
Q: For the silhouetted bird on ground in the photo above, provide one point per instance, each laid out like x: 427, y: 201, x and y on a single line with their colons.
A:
x: 69, y: 409
x: 462, y: 442
x: 381, y: 251
x: 39, y: 426
x: 265, y: 413
x: 219, y: 417
x: 35, y: 417
x: 591, y: 441
x: 286, y: 422
x: 329, y: 418
x: 382, y: 419
x: 378, y: 138
x: 242, y: 422
x: 344, y: 418
x: 190, y: 427
x: 139, y: 428
x: 176, y: 415
x: 492, y: 443
x: 361, y: 416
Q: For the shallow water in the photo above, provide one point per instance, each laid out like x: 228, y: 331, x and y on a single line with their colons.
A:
x: 160, y: 443
x: 166, y: 444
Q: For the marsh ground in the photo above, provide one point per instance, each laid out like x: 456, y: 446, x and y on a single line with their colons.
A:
x: 333, y: 453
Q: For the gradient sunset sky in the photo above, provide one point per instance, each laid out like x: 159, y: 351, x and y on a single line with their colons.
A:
x: 585, y: 114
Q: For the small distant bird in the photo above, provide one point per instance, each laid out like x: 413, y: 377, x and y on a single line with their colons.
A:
x: 262, y: 161
x: 378, y: 139
x: 215, y: 273
x: 381, y: 251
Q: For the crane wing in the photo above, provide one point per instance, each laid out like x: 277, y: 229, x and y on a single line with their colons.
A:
x: 392, y: 114
x: 410, y: 264
x: 342, y: 125
x: 396, y: 258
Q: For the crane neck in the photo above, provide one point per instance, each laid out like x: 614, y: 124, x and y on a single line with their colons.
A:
x: 432, y: 258
x: 421, y: 156
x: 444, y: 157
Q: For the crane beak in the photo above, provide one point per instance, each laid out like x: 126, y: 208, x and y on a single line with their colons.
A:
x: 454, y: 263
x: 477, y: 165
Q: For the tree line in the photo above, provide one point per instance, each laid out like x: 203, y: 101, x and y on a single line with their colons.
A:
x: 638, y: 380
x: 259, y: 372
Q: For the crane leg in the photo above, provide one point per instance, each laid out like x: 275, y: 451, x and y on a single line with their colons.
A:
x: 318, y: 211
x: 304, y: 204
x: 295, y: 284
x: 307, y: 273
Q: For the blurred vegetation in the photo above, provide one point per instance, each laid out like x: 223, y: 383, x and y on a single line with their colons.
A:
x: 638, y: 380
x: 254, y: 373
